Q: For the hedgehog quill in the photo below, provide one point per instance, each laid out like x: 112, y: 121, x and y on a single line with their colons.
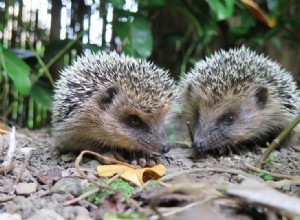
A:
x: 237, y: 97
x: 107, y: 100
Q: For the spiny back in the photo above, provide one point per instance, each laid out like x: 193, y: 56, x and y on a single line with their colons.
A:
x: 145, y: 84
x: 234, y: 71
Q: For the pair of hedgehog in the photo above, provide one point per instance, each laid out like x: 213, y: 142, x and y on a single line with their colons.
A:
x: 230, y: 98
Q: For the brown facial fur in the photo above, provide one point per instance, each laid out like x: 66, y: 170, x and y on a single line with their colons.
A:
x: 236, y: 97
x: 112, y: 90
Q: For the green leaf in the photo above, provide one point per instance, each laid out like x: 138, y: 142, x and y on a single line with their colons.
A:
x: 222, y: 9
x: 149, y: 4
x: 186, y: 12
x: 265, y: 176
x: 42, y: 94
x: 141, y: 36
x: 17, y: 70
x: 119, y: 184
x: 136, y: 36
x: 271, y: 159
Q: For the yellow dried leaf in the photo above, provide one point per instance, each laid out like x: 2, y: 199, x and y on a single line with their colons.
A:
x: 3, y: 128
x: 259, y: 13
x: 137, y: 176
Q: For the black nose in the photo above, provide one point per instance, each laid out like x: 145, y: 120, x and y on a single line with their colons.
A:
x: 199, y: 145
x: 165, y: 147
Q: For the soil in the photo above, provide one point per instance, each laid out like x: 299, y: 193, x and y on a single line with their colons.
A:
x: 50, y: 178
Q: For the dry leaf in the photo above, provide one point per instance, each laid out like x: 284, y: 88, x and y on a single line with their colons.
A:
x: 137, y: 176
x: 259, y: 13
x: 258, y: 193
x: 3, y: 128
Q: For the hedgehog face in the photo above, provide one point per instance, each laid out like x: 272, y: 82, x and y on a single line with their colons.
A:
x: 233, y: 119
x: 127, y: 125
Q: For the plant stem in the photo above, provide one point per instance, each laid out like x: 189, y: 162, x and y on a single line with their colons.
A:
x: 41, y: 62
x: 276, y: 142
x: 62, y: 51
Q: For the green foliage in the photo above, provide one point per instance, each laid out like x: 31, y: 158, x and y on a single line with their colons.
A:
x: 119, y: 184
x: 265, y: 176
x: 221, y: 9
x: 17, y: 69
x: 296, y: 218
x: 271, y: 159
x: 136, y: 36
x: 208, y: 25
x: 118, y: 216
x: 42, y: 94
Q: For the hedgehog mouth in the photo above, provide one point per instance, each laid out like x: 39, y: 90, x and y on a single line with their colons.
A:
x: 150, y: 148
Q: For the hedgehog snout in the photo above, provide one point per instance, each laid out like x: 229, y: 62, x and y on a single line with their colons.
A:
x: 199, y: 144
x: 165, y: 147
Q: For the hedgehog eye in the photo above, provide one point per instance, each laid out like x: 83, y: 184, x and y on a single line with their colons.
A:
x: 228, y: 119
x: 134, y: 121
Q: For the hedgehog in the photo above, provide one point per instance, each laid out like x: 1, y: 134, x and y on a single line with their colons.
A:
x: 111, y: 101
x: 237, y: 98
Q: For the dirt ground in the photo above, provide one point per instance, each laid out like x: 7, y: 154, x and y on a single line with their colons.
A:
x: 50, y: 179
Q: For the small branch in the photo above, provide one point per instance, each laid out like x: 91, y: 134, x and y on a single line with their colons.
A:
x: 276, y: 142
x: 188, y: 124
x: 25, y: 164
x: 41, y: 62
x: 104, y: 186
x: 79, y: 170
x: 277, y: 175
x: 62, y: 51
x: 87, y: 194
x: 8, y: 165
x: 6, y: 198
x: 217, y: 170
x: 285, y: 182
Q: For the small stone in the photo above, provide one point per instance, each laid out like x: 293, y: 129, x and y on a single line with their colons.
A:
x: 46, y: 214
x: 76, y: 212
x: 26, y: 188
x: 236, y: 157
x: 68, y: 157
x: 67, y: 185
x: 7, y: 216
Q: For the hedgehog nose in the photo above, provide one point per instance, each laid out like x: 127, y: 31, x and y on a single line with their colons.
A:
x: 165, y: 147
x: 199, y: 145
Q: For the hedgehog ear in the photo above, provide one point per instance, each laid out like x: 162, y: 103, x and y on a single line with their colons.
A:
x: 108, y: 96
x: 261, y: 95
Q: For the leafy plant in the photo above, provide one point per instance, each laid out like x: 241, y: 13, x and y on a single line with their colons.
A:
x: 119, y: 184
x: 271, y: 159
x: 265, y: 176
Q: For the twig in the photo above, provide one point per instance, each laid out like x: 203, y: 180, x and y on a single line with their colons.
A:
x: 177, y: 210
x: 25, y: 164
x: 277, y: 175
x: 41, y: 62
x: 217, y: 170
x: 6, y: 198
x: 276, y: 142
x: 3, y: 131
x: 8, y: 165
x: 188, y: 124
x: 62, y: 51
x: 79, y: 170
x: 87, y: 194
x: 104, y: 186
x: 284, y: 182
x: 185, y: 143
